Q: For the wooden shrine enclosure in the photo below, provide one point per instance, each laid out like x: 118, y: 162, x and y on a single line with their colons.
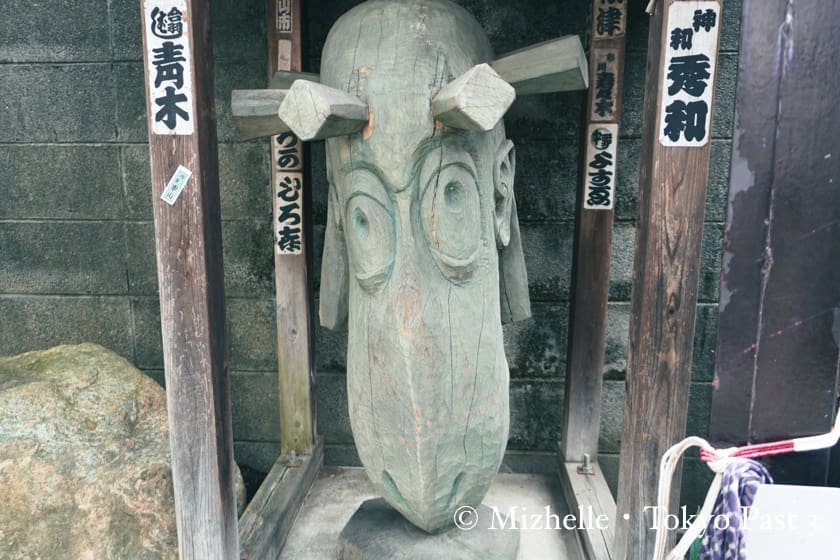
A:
x: 676, y: 144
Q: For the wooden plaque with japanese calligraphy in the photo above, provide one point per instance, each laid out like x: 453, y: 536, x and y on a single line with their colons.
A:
x: 688, y: 75
x: 609, y: 19
x: 606, y: 62
x: 599, y: 178
x: 294, y: 361
x: 169, y: 67
x: 287, y: 174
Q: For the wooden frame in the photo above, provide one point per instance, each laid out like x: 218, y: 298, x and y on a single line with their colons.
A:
x: 190, y: 272
x: 583, y: 481
x: 291, y: 279
x: 266, y: 522
x: 185, y: 189
x: 672, y: 188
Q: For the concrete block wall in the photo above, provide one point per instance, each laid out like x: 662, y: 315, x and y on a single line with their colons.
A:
x: 76, y: 236
x: 77, y: 259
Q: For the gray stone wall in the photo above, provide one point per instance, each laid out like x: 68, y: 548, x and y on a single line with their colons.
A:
x: 76, y: 237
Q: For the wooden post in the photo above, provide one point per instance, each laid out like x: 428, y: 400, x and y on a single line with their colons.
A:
x: 676, y: 141
x: 583, y: 481
x: 296, y: 379
x: 178, y: 59
x: 593, y: 240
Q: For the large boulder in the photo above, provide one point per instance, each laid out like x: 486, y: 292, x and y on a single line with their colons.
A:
x: 84, y: 458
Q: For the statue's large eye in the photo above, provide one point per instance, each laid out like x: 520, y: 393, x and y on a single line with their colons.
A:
x: 369, y: 230
x: 451, y: 215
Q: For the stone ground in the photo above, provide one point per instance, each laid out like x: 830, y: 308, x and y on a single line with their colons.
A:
x: 337, y: 493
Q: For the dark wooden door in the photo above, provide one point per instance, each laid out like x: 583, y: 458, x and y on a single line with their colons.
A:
x: 776, y: 373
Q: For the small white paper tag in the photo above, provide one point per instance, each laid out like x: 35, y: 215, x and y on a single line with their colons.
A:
x: 284, y: 54
x: 176, y: 185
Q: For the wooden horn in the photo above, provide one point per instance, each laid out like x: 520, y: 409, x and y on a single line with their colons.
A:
x: 255, y: 112
x: 475, y: 100
x: 314, y: 111
x: 555, y: 65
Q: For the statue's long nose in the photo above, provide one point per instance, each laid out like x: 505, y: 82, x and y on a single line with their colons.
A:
x: 427, y: 384
x: 423, y: 425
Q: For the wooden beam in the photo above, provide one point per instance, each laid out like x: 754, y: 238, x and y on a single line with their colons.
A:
x: 593, y: 243
x: 291, y: 276
x: 590, y: 495
x: 676, y: 141
x: 555, y: 65
x: 266, y: 523
x: 255, y: 112
x: 178, y: 58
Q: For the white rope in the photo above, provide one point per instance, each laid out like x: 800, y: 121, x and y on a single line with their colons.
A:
x: 667, y: 466
x: 724, y: 458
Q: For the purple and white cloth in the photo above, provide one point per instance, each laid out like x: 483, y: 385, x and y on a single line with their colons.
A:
x: 724, y: 537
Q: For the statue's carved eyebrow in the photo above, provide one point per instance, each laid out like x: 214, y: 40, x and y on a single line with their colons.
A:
x: 364, y: 165
x: 452, y: 153
x: 377, y: 191
x: 437, y: 141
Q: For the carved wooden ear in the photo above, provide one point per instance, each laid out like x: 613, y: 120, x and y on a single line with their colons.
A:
x: 476, y: 100
x: 556, y: 65
x: 255, y: 112
x: 503, y: 174
x: 513, y: 277
x: 314, y: 111
x: 334, y: 270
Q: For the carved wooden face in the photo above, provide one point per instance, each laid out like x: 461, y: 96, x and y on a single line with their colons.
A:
x: 417, y: 213
x: 450, y: 202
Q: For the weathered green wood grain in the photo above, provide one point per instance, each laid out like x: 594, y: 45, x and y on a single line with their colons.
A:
x: 476, y: 100
x: 418, y: 214
x: 315, y: 112
x: 423, y: 255
x: 255, y: 112
x: 555, y: 65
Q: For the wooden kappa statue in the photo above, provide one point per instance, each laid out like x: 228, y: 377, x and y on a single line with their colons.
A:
x: 422, y: 257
